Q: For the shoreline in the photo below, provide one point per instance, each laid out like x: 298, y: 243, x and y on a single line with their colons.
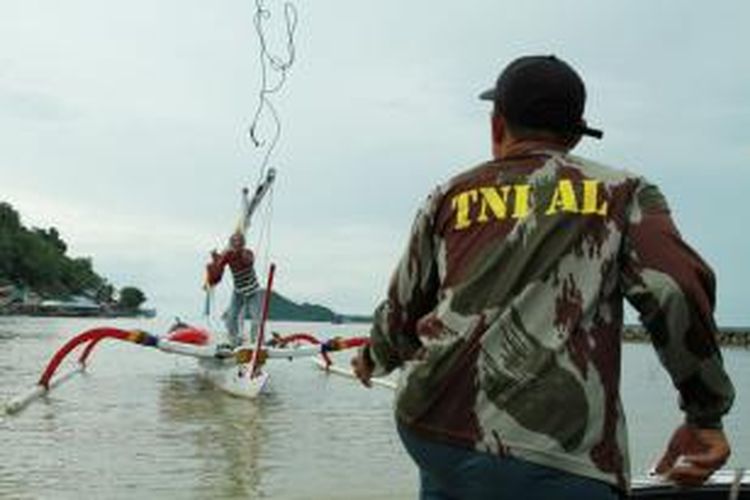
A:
x: 728, y: 336
x: 72, y: 313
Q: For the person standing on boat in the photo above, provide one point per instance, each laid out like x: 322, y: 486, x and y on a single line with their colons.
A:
x: 505, y: 313
x: 246, y: 296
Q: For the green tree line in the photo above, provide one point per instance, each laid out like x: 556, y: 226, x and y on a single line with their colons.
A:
x: 37, y: 259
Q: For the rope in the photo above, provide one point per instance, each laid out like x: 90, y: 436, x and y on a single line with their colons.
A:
x: 273, y: 74
x: 271, y: 63
x: 263, y: 241
x: 734, y: 492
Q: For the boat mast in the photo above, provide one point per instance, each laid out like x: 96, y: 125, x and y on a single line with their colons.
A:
x: 249, y: 205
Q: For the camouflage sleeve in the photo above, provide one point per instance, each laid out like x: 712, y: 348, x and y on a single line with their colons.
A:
x: 411, y: 294
x: 673, y: 289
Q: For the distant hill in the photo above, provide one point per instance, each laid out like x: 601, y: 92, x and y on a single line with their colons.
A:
x: 283, y: 309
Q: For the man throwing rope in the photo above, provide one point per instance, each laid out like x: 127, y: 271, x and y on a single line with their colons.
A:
x: 246, y: 296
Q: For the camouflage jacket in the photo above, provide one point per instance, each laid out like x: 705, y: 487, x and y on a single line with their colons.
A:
x: 505, y: 312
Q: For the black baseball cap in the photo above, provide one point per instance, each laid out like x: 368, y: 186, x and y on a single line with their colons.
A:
x: 541, y: 92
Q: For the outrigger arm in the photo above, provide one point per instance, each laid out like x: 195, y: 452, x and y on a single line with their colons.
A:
x: 185, y: 341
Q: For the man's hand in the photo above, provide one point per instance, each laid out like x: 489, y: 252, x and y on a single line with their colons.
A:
x: 693, y: 454
x: 363, y: 366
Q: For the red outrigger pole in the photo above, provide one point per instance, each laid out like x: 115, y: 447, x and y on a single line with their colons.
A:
x: 93, y: 337
x: 255, y: 362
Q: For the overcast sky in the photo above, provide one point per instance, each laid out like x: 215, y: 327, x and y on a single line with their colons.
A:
x: 124, y: 125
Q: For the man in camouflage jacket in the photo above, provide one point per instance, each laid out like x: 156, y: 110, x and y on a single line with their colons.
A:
x: 505, y: 312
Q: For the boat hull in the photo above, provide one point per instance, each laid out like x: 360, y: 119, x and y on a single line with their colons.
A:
x: 723, y: 484
x: 231, y: 378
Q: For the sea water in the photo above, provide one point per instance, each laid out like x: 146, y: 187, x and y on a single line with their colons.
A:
x: 142, y: 423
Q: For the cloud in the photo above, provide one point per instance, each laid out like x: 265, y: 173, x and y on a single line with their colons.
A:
x: 124, y: 125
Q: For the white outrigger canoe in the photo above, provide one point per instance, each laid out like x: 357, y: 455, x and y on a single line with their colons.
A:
x: 238, y: 372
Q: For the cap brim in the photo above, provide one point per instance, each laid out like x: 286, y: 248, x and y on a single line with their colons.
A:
x: 488, y: 95
x: 591, y: 132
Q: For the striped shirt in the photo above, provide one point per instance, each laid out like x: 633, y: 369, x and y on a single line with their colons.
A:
x: 241, y: 265
x: 245, y: 280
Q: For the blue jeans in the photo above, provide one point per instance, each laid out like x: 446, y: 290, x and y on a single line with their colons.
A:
x: 451, y: 473
x: 235, y: 315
